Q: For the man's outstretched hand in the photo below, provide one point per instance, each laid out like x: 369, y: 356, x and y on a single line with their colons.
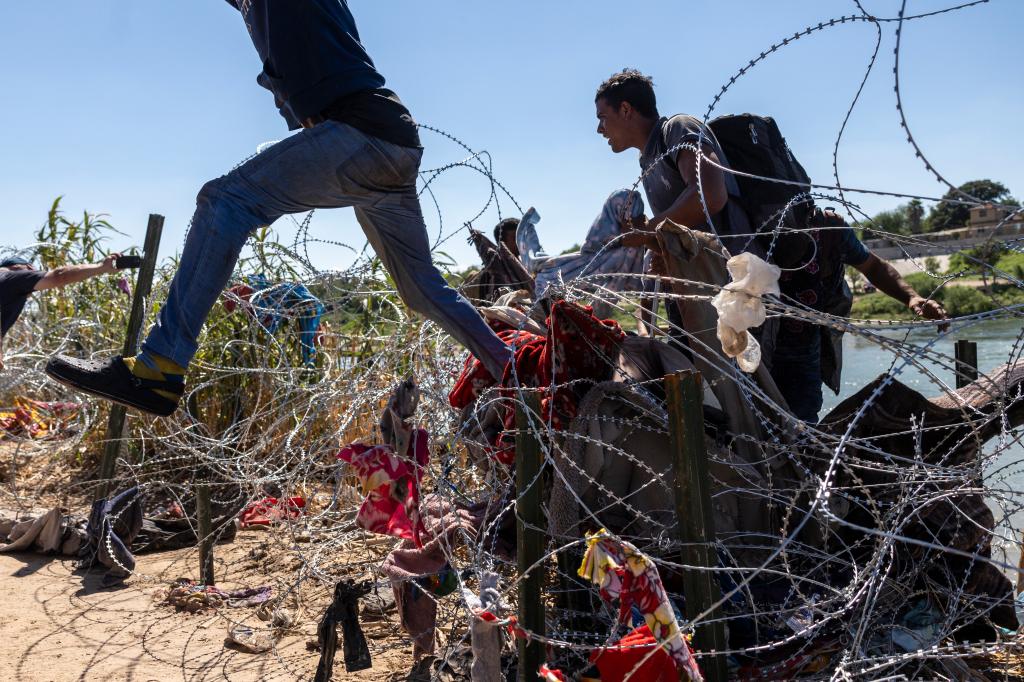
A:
x: 638, y: 231
x: 929, y: 310
x: 108, y: 264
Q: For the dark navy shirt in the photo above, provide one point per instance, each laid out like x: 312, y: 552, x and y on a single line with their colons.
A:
x: 15, y: 288
x: 315, y: 65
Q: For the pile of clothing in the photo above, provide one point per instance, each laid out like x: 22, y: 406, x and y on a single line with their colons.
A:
x: 577, y: 351
x: 34, y: 419
x: 187, y: 595
x: 271, y: 304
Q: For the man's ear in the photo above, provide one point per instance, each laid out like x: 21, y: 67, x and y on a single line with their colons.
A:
x: 626, y: 110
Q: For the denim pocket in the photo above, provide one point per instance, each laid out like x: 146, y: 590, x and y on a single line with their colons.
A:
x: 381, y: 166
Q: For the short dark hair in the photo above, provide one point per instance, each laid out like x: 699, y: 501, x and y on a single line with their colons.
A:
x: 504, y: 226
x: 11, y: 261
x: 629, y: 85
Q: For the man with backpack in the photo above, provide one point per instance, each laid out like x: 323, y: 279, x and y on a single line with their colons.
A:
x: 358, y: 147
x: 627, y: 115
x: 628, y: 118
x: 774, y: 220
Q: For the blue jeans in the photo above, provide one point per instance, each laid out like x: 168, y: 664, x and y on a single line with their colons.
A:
x: 796, y: 370
x: 328, y: 166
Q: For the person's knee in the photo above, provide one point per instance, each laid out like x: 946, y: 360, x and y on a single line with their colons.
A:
x: 426, y: 291
x: 224, y: 198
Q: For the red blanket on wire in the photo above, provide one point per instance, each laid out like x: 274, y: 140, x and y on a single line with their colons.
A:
x: 578, y: 351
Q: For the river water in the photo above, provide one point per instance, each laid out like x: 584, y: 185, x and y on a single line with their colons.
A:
x: 999, y: 342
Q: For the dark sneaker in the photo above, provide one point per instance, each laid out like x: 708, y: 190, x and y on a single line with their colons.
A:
x: 111, y: 379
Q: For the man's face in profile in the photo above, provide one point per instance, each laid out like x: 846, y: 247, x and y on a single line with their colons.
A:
x: 611, y: 123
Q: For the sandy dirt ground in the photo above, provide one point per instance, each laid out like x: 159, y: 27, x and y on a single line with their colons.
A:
x: 57, y: 625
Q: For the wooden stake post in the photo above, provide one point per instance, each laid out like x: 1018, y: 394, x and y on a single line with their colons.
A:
x: 693, y: 511
x: 204, y: 525
x: 143, y: 287
x: 966, y: 354
x: 529, y: 538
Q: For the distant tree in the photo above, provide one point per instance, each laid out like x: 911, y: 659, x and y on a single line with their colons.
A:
x: 979, y: 260
x: 931, y: 264
x: 946, y: 215
x: 855, y: 278
x: 893, y: 221
x: 915, y: 216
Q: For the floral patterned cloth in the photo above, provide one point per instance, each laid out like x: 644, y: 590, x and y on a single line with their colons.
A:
x: 391, y: 484
x: 578, y: 346
x: 35, y: 419
x: 622, y: 572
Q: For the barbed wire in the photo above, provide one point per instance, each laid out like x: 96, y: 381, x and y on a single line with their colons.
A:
x: 886, y: 538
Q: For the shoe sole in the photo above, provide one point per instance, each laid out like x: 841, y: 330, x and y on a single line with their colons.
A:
x: 55, y: 375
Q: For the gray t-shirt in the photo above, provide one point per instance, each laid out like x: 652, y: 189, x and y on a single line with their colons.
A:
x: 663, y: 184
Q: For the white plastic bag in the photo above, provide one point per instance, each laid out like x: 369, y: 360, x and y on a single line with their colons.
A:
x: 740, y: 306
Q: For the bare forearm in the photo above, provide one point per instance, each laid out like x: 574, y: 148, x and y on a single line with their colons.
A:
x: 888, y: 281
x: 688, y: 210
x: 72, y: 274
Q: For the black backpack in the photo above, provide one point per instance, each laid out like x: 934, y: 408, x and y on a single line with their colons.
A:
x: 753, y: 144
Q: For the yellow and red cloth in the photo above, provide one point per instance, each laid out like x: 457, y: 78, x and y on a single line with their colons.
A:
x: 622, y: 572
x: 35, y: 419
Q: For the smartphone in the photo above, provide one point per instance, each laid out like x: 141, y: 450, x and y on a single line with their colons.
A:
x: 125, y: 262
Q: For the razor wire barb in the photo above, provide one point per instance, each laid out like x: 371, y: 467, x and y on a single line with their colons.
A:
x: 258, y: 423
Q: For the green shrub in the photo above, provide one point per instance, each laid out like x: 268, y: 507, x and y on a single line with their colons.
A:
x: 959, y: 301
x: 925, y: 285
x: 879, y: 305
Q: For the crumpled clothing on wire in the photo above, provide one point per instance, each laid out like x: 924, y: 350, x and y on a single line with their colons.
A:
x: 420, y: 575
x: 391, y: 485
x: 740, y: 307
x: 271, y: 304
x: 35, y: 419
x: 113, y: 526
x: 578, y: 346
x: 637, y: 656
x: 485, y: 612
x: 187, y: 595
x: 271, y: 510
x: 622, y: 572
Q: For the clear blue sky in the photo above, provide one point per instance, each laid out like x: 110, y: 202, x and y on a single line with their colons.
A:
x: 127, y: 107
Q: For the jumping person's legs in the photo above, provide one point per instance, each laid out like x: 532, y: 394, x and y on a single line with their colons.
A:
x: 393, y: 223
x: 328, y: 166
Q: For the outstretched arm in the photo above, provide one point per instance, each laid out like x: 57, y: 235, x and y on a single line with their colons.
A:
x: 884, y: 276
x: 72, y: 274
x: 687, y: 209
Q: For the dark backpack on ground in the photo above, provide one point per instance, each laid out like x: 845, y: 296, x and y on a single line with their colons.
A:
x: 753, y: 144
